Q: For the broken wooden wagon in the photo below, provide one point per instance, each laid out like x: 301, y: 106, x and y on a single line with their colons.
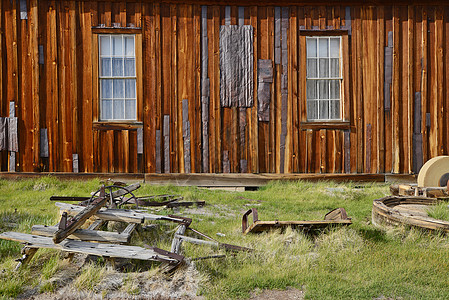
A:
x: 69, y: 237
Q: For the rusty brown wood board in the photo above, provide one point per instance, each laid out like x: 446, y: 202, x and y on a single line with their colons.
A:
x: 395, y: 96
x: 336, y: 217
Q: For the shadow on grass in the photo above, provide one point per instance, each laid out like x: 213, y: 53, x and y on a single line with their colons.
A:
x: 373, y: 234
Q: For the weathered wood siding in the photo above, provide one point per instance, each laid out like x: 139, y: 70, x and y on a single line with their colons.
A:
x: 396, y: 88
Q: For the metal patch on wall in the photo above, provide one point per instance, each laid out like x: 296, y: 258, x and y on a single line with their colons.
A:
x: 236, y: 66
x: 265, y: 78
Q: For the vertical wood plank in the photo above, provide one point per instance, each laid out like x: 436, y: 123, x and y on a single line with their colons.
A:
x: 149, y: 84
x: 395, y: 98
x: 253, y: 123
x: 439, y: 118
x: 87, y: 159
x: 186, y: 135
x: 166, y: 144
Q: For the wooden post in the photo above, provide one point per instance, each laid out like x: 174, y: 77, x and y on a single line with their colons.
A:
x: 176, y: 243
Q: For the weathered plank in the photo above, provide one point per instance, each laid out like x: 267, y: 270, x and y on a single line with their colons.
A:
x: 226, y: 163
x: 167, y: 144
x: 205, y: 90
x: 186, y: 134
x: 417, y: 135
x: 43, y: 142
x: 84, y: 234
x: 3, y: 130
x: 13, y: 139
x: 119, y: 215
x: 75, y: 163
x: 158, y: 151
x: 108, y: 250
x: 64, y: 231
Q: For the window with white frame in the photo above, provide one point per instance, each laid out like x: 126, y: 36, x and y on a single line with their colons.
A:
x: 117, y: 76
x: 324, y: 78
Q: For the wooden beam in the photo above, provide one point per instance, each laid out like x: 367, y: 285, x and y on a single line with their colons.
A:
x: 84, y: 234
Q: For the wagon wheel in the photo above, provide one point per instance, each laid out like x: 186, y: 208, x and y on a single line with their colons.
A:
x: 117, y: 195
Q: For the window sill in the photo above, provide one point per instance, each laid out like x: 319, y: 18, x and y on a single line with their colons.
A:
x: 338, y: 125
x: 111, y: 125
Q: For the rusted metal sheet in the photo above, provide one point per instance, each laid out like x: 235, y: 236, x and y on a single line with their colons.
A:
x: 236, y: 66
x: 265, y: 78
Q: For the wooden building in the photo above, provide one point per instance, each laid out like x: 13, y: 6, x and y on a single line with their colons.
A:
x: 223, y: 87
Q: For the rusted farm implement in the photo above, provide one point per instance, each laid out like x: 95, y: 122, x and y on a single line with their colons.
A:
x: 336, y: 217
x: 109, y: 204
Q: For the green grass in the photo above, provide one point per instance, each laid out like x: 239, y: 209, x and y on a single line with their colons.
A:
x: 355, y: 262
x: 439, y: 211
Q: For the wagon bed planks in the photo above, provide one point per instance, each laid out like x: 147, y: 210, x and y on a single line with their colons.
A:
x: 107, y: 250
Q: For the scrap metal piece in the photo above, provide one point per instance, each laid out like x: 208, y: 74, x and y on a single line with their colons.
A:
x: 337, y: 216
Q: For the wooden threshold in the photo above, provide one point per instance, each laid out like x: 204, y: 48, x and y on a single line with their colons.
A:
x: 251, y: 180
x: 214, y: 179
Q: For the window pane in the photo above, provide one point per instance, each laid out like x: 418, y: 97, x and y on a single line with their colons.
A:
x: 130, y: 88
x: 119, y: 112
x: 324, y: 68
x: 334, y: 109
x: 119, y: 88
x: 311, y: 68
x: 324, y: 47
x: 106, y: 109
x: 335, y: 67
x: 335, y: 89
x: 105, y: 45
x: 117, y: 67
x: 117, y: 47
x: 311, y: 89
x: 324, y: 110
x: 312, y: 110
x: 323, y: 89
x: 335, y: 47
x: 105, y: 69
x: 106, y: 88
x: 129, y: 45
x: 311, y: 47
x: 130, y: 109
x: 130, y: 67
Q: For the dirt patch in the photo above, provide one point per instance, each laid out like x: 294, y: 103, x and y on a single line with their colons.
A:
x: 153, y: 284
x: 290, y: 293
